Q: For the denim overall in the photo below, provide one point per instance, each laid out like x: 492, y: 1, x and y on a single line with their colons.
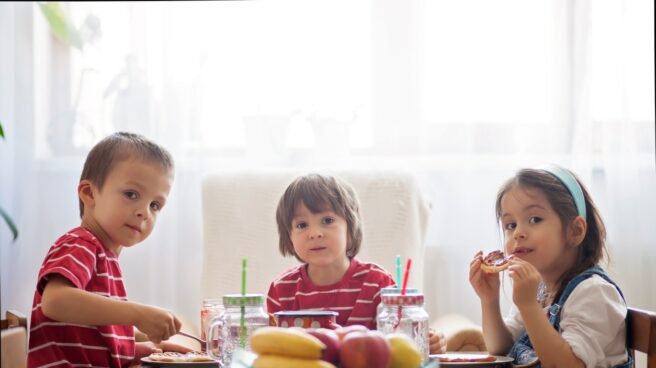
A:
x: 522, y: 351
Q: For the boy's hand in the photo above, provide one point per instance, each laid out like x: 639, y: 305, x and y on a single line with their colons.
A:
x: 158, y: 324
x: 526, y: 280
x: 171, y: 346
x: 485, y: 284
x: 436, y: 342
x: 144, y: 349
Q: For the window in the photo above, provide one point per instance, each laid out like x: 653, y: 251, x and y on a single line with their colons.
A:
x: 223, y: 75
x: 364, y: 78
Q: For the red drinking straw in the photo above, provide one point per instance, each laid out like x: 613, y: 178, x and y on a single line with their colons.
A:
x: 405, y: 285
x: 405, y: 276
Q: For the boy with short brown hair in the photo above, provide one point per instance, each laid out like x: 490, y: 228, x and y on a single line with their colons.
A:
x: 81, y: 315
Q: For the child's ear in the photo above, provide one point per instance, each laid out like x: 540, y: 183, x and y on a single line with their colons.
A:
x: 85, y: 192
x: 577, y: 230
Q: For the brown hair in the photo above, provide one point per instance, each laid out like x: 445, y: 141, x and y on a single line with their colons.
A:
x: 593, y: 247
x: 118, y: 147
x: 319, y: 193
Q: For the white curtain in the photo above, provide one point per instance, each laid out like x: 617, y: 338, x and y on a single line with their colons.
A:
x: 461, y: 92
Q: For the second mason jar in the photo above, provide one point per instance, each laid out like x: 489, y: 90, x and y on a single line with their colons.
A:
x: 242, y: 316
x: 405, y: 314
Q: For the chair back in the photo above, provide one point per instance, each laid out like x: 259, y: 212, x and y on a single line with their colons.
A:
x: 14, y: 340
x: 641, y: 334
x: 239, y: 220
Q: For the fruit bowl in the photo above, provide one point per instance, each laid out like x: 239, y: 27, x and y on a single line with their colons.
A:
x: 350, y: 347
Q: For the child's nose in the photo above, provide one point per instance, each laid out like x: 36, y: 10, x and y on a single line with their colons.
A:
x: 316, y: 234
x: 143, y: 211
x: 519, y: 234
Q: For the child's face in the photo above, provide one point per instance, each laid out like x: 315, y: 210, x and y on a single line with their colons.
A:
x: 124, y: 212
x: 319, y: 239
x: 534, y: 232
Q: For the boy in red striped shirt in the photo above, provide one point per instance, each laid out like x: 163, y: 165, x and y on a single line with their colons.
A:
x: 80, y: 314
x: 319, y: 223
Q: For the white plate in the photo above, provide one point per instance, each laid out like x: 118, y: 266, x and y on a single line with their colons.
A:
x: 501, y: 361
x: 149, y: 361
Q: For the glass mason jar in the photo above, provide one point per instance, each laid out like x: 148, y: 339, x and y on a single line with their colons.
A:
x: 405, y: 314
x: 392, y: 290
x: 243, y: 314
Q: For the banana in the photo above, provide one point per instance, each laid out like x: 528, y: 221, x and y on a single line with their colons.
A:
x: 288, y: 342
x: 276, y: 361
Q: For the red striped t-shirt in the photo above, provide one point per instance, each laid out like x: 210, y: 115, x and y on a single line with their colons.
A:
x: 355, y: 297
x: 81, y: 258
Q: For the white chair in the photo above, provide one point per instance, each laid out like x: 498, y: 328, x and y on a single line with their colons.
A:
x: 239, y: 221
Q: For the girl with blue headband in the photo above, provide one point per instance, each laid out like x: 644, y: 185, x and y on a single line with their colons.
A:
x: 567, y: 311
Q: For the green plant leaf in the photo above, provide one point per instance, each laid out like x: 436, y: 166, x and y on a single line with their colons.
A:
x: 60, y: 25
x: 4, y: 215
x: 10, y: 223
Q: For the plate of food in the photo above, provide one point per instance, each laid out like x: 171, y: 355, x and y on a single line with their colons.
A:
x: 196, y: 359
x: 476, y: 360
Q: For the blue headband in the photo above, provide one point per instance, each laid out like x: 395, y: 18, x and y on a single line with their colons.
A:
x: 571, y: 184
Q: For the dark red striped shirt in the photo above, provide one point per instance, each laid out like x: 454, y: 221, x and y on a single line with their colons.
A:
x: 355, y: 297
x: 79, y: 257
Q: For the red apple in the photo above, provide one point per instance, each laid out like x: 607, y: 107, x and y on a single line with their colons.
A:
x: 365, y: 350
x: 330, y: 338
x: 343, y: 331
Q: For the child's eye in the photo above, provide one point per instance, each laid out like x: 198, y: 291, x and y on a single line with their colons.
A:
x: 327, y: 220
x: 301, y: 225
x: 534, y: 220
x: 131, y: 195
x: 155, y: 206
x: 510, y: 226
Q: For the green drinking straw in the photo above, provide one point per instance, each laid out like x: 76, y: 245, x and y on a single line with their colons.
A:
x: 242, y: 335
x: 243, y: 276
x: 398, y: 271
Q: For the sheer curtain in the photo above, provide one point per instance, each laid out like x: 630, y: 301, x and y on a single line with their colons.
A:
x: 462, y: 93
x: 614, y: 125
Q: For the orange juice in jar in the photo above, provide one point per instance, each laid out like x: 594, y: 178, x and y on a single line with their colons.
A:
x: 211, y: 308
